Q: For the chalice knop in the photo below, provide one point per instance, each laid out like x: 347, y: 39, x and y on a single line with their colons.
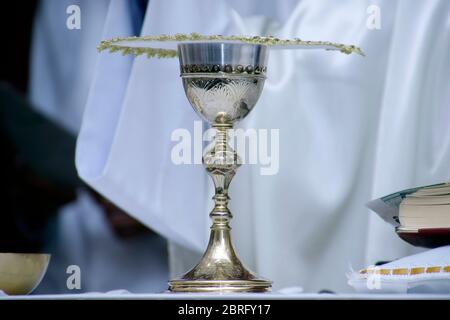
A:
x: 222, y: 82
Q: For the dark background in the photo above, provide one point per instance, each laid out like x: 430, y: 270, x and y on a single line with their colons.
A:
x: 16, y: 28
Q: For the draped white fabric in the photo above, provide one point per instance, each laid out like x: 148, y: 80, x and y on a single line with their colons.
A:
x: 351, y: 129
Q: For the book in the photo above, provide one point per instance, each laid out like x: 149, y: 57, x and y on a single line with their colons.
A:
x: 426, y: 208
x: 416, y: 208
x: 420, y: 215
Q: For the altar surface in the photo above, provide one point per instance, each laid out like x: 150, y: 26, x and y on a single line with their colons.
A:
x: 242, y: 296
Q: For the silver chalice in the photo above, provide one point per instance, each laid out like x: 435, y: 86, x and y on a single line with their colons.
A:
x: 222, y: 82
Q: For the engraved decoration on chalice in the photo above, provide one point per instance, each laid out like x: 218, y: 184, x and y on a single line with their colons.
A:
x: 223, y: 77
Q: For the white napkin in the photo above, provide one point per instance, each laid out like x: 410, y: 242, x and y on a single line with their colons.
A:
x: 426, y: 272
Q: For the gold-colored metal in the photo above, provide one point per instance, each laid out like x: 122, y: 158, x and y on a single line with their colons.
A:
x: 221, y: 97
x: 220, y: 268
x: 21, y: 273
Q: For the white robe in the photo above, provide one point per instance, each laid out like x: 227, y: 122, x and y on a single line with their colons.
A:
x: 351, y: 129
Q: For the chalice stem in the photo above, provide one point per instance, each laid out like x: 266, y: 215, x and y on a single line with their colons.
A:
x: 220, y: 269
x: 221, y: 163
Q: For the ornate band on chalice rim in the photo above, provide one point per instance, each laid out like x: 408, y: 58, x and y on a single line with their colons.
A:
x: 223, y: 78
x: 227, y: 68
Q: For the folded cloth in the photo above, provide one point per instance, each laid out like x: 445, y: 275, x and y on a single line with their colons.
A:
x: 426, y: 272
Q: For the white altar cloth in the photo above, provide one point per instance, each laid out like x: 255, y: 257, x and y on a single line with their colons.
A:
x: 240, y: 296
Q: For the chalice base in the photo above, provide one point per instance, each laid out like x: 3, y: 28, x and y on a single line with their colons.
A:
x: 219, y: 286
x: 220, y: 269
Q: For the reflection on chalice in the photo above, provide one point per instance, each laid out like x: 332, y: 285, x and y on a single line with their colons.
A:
x: 223, y: 77
x: 223, y: 82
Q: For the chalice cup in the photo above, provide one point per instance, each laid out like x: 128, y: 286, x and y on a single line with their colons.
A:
x: 222, y: 81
